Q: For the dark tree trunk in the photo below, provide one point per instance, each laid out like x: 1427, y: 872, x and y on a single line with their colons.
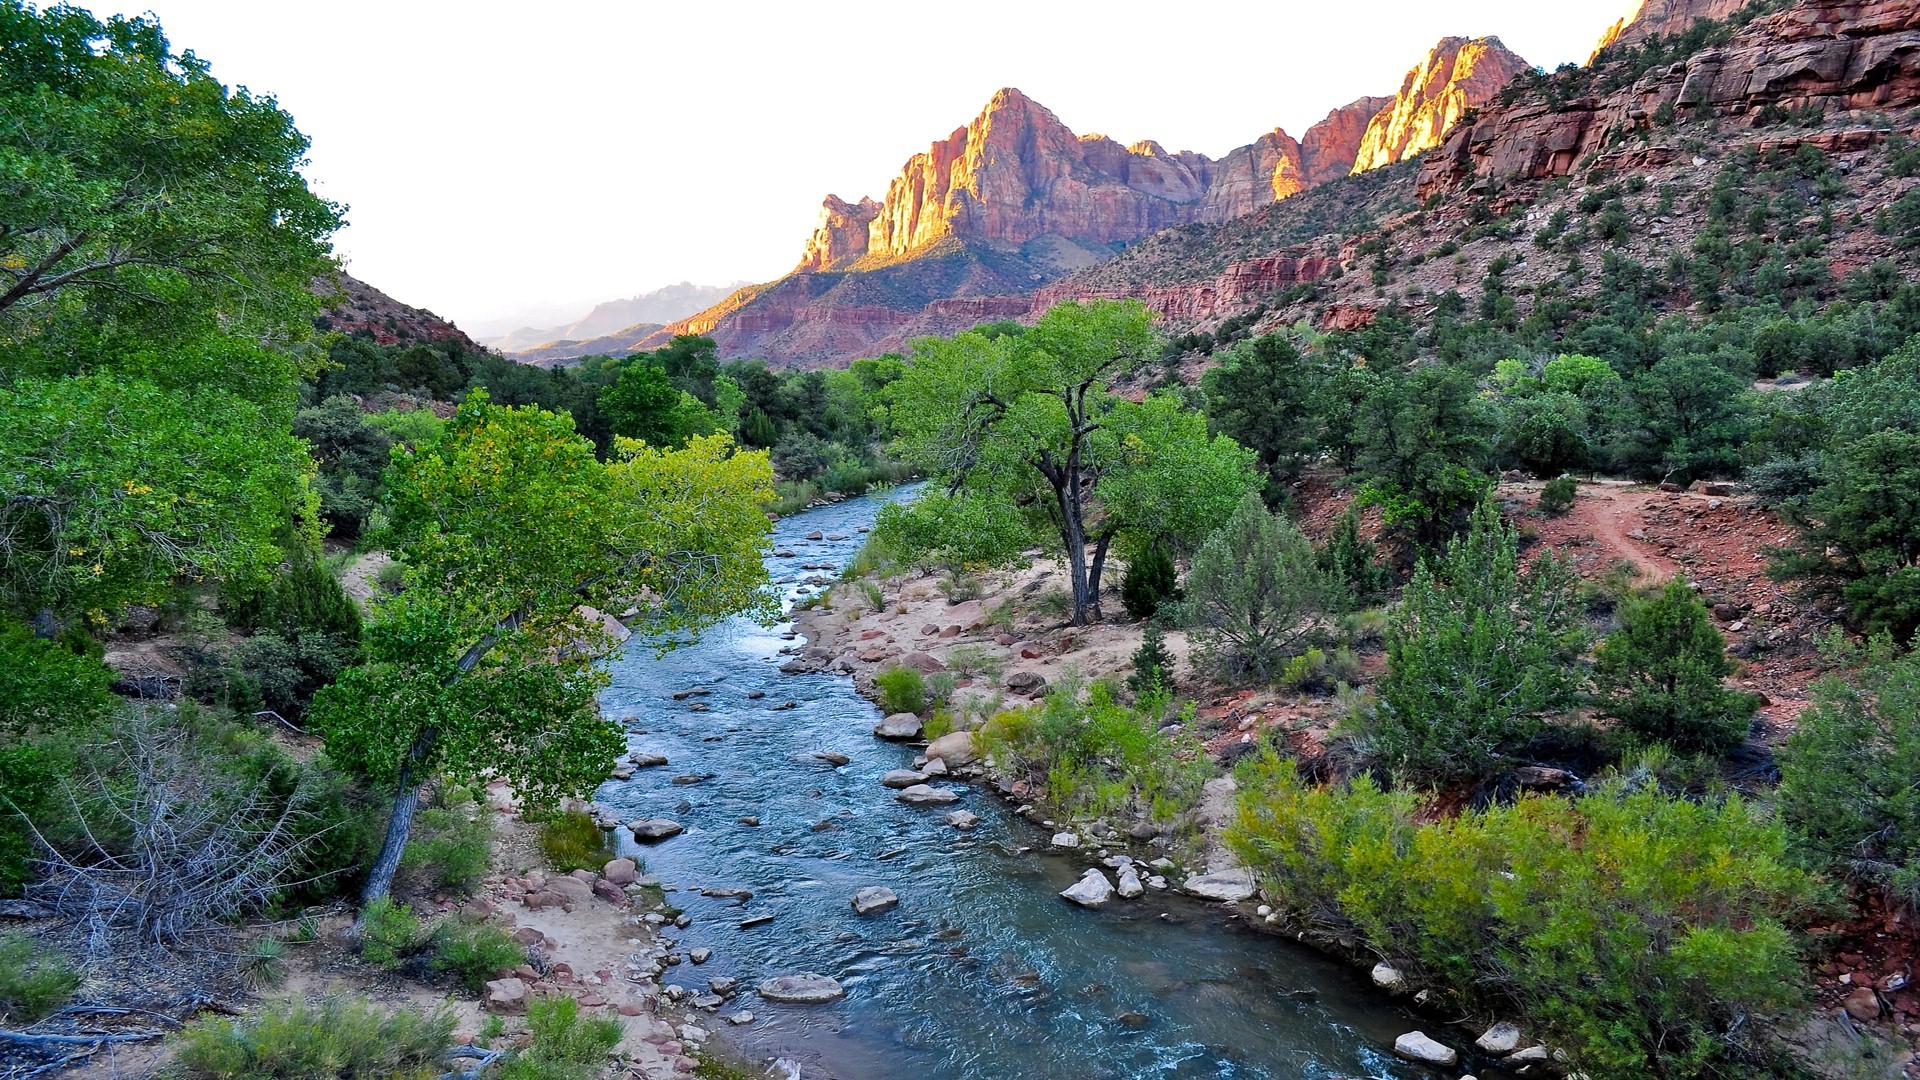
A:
x: 406, y: 800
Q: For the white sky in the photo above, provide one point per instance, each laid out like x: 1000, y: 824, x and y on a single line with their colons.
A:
x: 513, y: 163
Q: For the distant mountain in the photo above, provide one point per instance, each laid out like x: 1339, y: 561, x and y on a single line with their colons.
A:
x: 659, y: 307
x: 971, y: 227
x: 359, y: 308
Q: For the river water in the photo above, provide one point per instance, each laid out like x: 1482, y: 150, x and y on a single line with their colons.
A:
x: 982, y: 972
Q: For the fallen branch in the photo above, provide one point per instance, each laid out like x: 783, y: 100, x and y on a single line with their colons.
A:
x: 483, y: 1058
x: 77, y: 1040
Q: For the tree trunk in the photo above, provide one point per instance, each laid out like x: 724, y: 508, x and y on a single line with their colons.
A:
x: 399, y: 823
x: 1093, y: 576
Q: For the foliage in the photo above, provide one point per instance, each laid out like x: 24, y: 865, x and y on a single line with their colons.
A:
x: 475, y: 952
x: 1480, y: 651
x: 338, y: 1039
x: 1097, y: 757
x: 1025, y: 433
x: 1150, y: 582
x: 1425, y: 437
x: 1846, y: 774
x: 451, y: 845
x: 351, y: 453
x: 1557, y: 495
x: 1352, y: 563
x: 643, y: 404
x: 566, y: 1045
x: 1152, y: 665
x: 505, y: 525
x: 390, y: 933
x: 143, y: 204
x: 1662, y: 674
x: 571, y: 840
x: 49, y: 698
x: 118, y: 489
x: 1254, y: 593
x: 1633, y: 930
x: 1266, y: 396
x: 902, y: 689
x: 33, y: 982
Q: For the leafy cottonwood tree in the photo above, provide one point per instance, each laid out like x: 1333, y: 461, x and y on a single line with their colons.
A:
x: 507, y: 524
x: 1024, y: 427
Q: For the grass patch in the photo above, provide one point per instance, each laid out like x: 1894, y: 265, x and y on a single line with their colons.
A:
x: 343, y: 1038
x: 571, y: 841
x: 33, y: 982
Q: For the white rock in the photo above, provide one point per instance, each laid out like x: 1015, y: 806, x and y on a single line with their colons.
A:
x: 805, y: 988
x: 1065, y: 840
x: 873, y: 898
x: 1389, y: 978
x: 1130, y: 886
x: 920, y: 794
x: 1528, y: 1056
x: 903, y: 725
x: 1092, y: 890
x: 902, y: 778
x: 955, y: 748
x: 1415, y: 1046
x: 962, y: 819
x: 1226, y: 886
x: 1501, y: 1038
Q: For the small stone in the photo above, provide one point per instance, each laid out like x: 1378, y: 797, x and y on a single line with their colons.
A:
x: 647, y: 761
x: 700, y: 955
x: 805, y: 988
x: 1862, y: 1004
x: 921, y: 794
x: 621, y: 872
x: 902, y: 778
x: 1501, y: 1038
x: 1415, y: 1046
x: 1227, y: 886
x: 1130, y: 886
x: 955, y: 748
x: 962, y: 819
x: 652, y: 830
x: 832, y: 757
x: 507, y: 996
x: 750, y: 821
x: 755, y: 920
x: 1065, y: 840
x: 903, y: 725
x: 741, y: 1017
x: 874, y: 898
x: 1389, y: 978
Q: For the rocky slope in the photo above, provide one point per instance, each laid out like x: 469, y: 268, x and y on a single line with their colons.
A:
x: 1661, y: 18
x: 359, y: 308
x: 972, y: 226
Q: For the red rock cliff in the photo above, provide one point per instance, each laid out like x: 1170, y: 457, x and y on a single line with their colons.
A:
x: 1458, y: 74
x: 1662, y: 18
x: 841, y: 236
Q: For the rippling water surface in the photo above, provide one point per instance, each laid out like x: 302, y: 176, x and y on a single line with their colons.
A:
x: 982, y: 971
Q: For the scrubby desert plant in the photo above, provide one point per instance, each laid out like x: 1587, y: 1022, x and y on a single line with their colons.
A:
x: 33, y: 981
x: 1150, y: 581
x: 902, y: 689
x: 1556, y: 496
x: 566, y: 1045
x: 389, y: 933
x: 339, y: 1039
x: 1254, y: 594
x: 474, y: 952
x: 1662, y: 674
x: 571, y: 840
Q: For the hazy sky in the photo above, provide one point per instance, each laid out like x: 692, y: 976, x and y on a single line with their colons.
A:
x: 516, y: 162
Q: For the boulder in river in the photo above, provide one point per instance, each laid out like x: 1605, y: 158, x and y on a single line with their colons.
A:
x: 1130, y: 886
x: 955, y: 748
x: 902, y: 778
x: 1092, y: 890
x: 900, y: 725
x: 873, y: 898
x: 646, y: 761
x: 805, y: 988
x: 921, y: 794
x: 1389, y: 978
x: 649, y: 830
x: 832, y: 757
x: 962, y: 819
x: 1501, y: 1038
x: 1065, y: 840
x: 1227, y: 886
x: 1415, y: 1046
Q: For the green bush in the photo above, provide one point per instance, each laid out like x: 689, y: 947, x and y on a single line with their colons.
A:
x: 902, y: 689
x: 450, y: 845
x: 572, y: 841
x: 1480, y: 651
x: 1847, y: 774
x: 1099, y: 757
x: 1556, y: 497
x: 1253, y: 593
x: 475, y: 952
x: 1150, y: 581
x: 1353, y: 563
x: 1661, y: 674
x: 390, y: 932
x: 1152, y: 665
x: 566, y: 1045
x: 1633, y: 930
x: 339, y: 1039
x: 32, y: 983
x: 49, y: 694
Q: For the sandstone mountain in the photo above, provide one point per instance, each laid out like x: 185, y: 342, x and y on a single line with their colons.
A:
x: 359, y: 308
x: 972, y: 226
x: 1661, y: 18
x: 1458, y: 75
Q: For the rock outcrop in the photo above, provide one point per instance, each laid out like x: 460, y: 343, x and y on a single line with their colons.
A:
x: 1837, y: 54
x: 1664, y: 18
x: 356, y: 307
x: 1276, y: 166
x: 1330, y: 147
x: 841, y: 236
x: 1458, y: 74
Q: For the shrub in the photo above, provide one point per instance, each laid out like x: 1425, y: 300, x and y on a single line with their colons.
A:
x: 450, y: 845
x: 1556, y: 497
x: 902, y: 689
x: 1150, y: 581
x: 32, y: 983
x: 1353, y: 563
x: 566, y: 1046
x: 265, y: 962
x: 48, y: 694
x: 339, y: 1039
x: 1847, y: 774
x: 572, y: 841
x: 475, y: 952
x: 1634, y: 930
x: 1100, y: 757
x: 389, y: 933
x: 1253, y: 593
x: 1661, y: 674
x: 1480, y: 651
x: 1152, y: 665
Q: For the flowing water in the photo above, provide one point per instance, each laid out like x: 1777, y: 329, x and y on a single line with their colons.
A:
x: 982, y: 972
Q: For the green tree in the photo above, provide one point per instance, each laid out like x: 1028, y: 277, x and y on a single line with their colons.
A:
x: 1481, y: 649
x: 352, y: 453
x: 1663, y: 672
x: 1253, y: 593
x: 1847, y: 773
x: 1265, y: 396
x: 644, y: 404
x: 1152, y: 664
x: 1352, y: 561
x: 1545, y: 433
x: 507, y: 525
x: 1423, y: 448
x: 1027, y: 427
x: 140, y: 199
x: 1150, y: 582
x: 1689, y: 417
x: 49, y: 696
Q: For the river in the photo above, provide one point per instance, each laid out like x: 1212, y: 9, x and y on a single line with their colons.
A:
x: 982, y: 972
